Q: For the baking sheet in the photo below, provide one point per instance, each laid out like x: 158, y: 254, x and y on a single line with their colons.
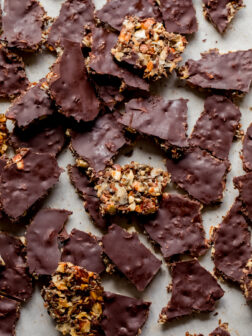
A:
x: 231, y: 308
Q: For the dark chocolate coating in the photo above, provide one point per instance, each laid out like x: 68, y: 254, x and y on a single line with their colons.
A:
x: 114, y: 11
x: 177, y: 226
x: 21, y: 186
x: 15, y: 280
x: 231, y: 71
x: 194, y: 289
x: 101, y: 61
x: 73, y: 16
x: 220, y: 331
x: 123, y: 315
x: 71, y: 88
x: 9, y: 314
x: 31, y: 105
x: 43, y: 254
x: 110, y: 95
x: 86, y: 190
x: 247, y: 149
x: 216, y: 127
x: 179, y: 16
x: 200, y: 174
x: 3, y: 161
x: 130, y: 256
x: 154, y: 116
x: 83, y: 249
x: 13, y: 78
x: 232, y: 248
x: 98, y: 145
x: 22, y: 24
x: 244, y: 185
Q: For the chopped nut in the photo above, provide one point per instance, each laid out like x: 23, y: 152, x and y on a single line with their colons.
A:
x: 3, y: 134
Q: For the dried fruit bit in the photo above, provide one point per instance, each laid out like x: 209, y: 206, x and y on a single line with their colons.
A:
x: 3, y: 134
x: 133, y: 187
x: 74, y: 299
x: 146, y: 45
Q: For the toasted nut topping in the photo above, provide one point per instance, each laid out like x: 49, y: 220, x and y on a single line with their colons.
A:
x: 3, y: 134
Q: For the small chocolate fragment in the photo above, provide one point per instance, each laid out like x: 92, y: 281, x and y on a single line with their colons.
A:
x: 166, y: 120
x: 216, y: 127
x: 98, y: 145
x: 177, y: 227
x: 179, y: 16
x: 123, y: 315
x: 43, y: 254
x: 201, y: 175
x: 231, y: 71
x: 244, y: 185
x: 114, y: 11
x: 31, y: 105
x: 194, y: 289
x: 74, y: 299
x: 73, y: 16
x: 22, y: 24
x: 9, y: 315
x: 146, y: 45
x: 4, y: 134
x: 25, y: 179
x: 83, y: 249
x: 130, y: 256
x: 247, y: 149
x: 102, y: 63
x: 70, y: 87
x: 15, y: 280
x: 221, y: 12
x: 13, y: 78
x: 110, y: 95
x: 222, y: 330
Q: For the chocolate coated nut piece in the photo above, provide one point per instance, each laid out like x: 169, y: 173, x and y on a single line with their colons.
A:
x: 123, y: 314
x: 247, y: 149
x: 244, y: 185
x: 9, y: 314
x: 194, y: 289
x: 43, y: 254
x: 130, y: 256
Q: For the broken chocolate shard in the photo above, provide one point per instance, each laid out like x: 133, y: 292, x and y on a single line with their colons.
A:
x: 222, y: 330
x: 130, y: 256
x: 43, y: 254
x: 244, y: 184
x: 9, y: 315
x: 217, y: 126
x: 247, y: 149
x: 123, y: 314
x: 194, y: 289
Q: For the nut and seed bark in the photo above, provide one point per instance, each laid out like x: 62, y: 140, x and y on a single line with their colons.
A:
x: 131, y: 188
x: 146, y: 45
x: 4, y: 135
x: 74, y: 299
x: 9, y: 315
x: 222, y: 330
x: 246, y: 154
x: 246, y: 282
x: 244, y: 184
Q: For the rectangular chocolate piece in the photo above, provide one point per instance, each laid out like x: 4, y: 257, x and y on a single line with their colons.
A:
x: 9, y: 315
x: 244, y: 184
x: 247, y: 149
x: 217, y: 126
x: 130, y: 256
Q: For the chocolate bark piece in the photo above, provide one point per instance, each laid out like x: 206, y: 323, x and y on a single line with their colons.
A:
x: 179, y: 16
x: 166, y: 120
x: 244, y: 184
x: 83, y: 249
x: 110, y: 95
x: 99, y: 144
x: 177, y: 227
x: 131, y: 188
x: 31, y: 105
x: 130, y: 256
x: 194, y: 289
x: 222, y: 330
x: 15, y: 281
x: 73, y: 16
x: 232, y: 248
x: 123, y: 314
x: 43, y: 254
x: 200, y: 174
x: 25, y: 179
x: 114, y: 11
x: 221, y: 12
x: 4, y: 134
x: 102, y: 63
x: 246, y: 282
x: 70, y: 87
x: 231, y: 71
x: 22, y: 24
x: 74, y: 299
x: 48, y: 138
x: 146, y: 45
x: 86, y: 190
x: 9, y: 315
x: 13, y: 78
x: 247, y: 150
x: 216, y: 127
